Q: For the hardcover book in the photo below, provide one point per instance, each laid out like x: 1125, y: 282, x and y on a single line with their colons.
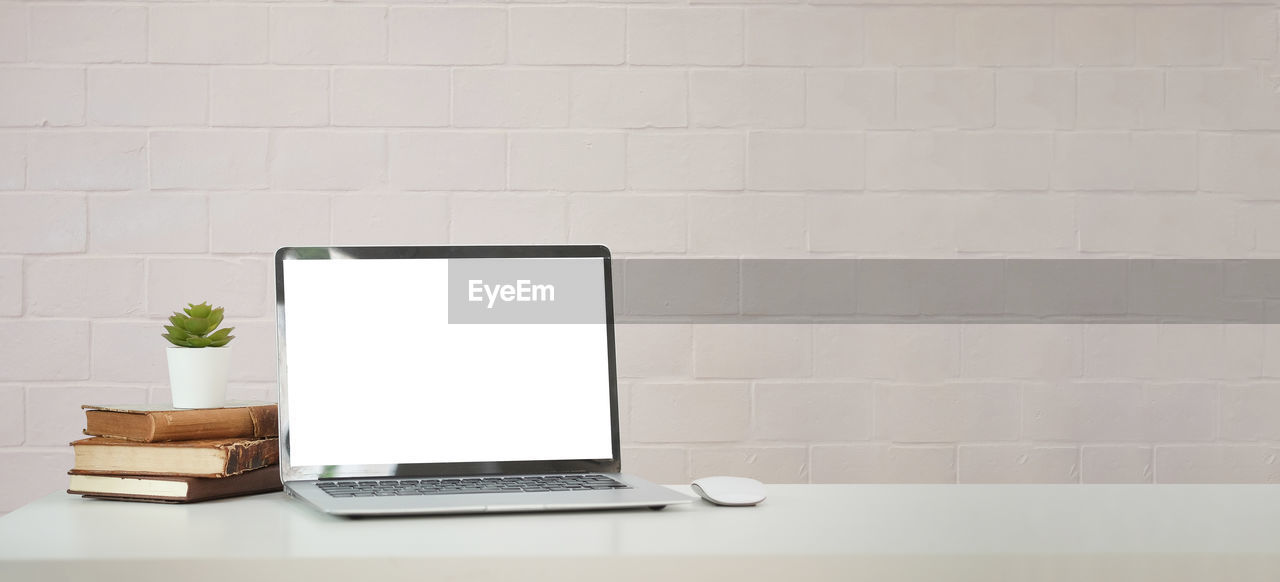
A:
x: 163, y: 489
x: 151, y: 424
x: 198, y: 458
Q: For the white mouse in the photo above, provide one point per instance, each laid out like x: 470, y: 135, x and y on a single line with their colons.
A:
x: 730, y: 490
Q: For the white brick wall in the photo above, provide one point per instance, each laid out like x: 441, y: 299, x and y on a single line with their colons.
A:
x: 148, y: 96
x: 13, y: 160
x: 1017, y: 463
x: 390, y: 219
x: 911, y: 36
x: 684, y: 36
x: 567, y: 161
x: 11, y: 287
x: 269, y: 97
x: 629, y: 99
x: 517, y: 98
x: 1179, y: 36
x: 13, y: 33
x: 1119, y: 98
x: 43, y: 223
x: 945, y: 160
x: 148, y: 223
x: 311, y: 160
x: 1095, y: 36
x: 303, y: 35
x: 11, y: 427
x: 447, y: 36
x: 1115, y: 464
x: 87, y: 33
x: 805, y: 36
x: 850, y: 99
x: 154, y: 153
x: 687, y: 161
x: 121, y: 353
x: 712, y: 412
x: 87, y: 160
x: 878, y: 463
x: 634, y: 224
x: 41, y: 97
x: 746, y: 98
x: 808, y: 412
x: 204, y: 159
x: 508, y: 219
x: 805, y: 161
x: 241, y: 223
x: 44, y: 349
x: 764, y: 225
x: 448, y: 160
x: 1018, y: 36
x: 952, y: 98
x: 390, y: 97
x: 776, y: 464
x: 241, y: 285
x: 1035, y: 99
x: 554, y: 35
x: 84, y: 287
x: 208, y: 34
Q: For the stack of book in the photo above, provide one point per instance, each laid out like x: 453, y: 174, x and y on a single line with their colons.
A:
x: 171, y: 455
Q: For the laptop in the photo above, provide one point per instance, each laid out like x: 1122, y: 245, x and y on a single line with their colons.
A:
x: 451, y: 379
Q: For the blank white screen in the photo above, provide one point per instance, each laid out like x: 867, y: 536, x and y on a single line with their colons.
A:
x: 377, y: 375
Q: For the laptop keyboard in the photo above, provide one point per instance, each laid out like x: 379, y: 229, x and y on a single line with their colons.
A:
x: 454, y: 486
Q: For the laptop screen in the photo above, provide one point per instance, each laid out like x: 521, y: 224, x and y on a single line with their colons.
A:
x: 394, y: 361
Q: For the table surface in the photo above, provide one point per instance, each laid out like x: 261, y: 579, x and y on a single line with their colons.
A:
x: 838, y: 532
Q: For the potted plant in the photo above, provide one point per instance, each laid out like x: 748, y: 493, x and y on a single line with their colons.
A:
x: 199, y: 359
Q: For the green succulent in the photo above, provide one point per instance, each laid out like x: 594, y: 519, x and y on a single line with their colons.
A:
x: 195, y: 328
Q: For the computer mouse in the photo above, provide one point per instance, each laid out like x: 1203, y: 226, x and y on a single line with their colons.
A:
x: 730, y: 490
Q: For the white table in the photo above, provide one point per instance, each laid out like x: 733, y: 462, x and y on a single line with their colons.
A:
x: 802, y: 532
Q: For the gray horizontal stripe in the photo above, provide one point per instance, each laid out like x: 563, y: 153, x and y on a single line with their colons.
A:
x: 700, y: 290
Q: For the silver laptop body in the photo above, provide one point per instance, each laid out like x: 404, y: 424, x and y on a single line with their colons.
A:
x: 451, y: 379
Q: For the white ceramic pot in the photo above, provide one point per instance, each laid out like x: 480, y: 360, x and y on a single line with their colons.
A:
x: 198, y: 376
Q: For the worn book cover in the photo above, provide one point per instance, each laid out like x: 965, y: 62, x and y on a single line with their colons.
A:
x: 163, y: 489
x: 198, y: 458
x: 151, y: 424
